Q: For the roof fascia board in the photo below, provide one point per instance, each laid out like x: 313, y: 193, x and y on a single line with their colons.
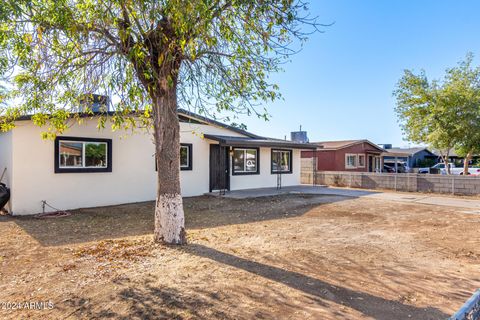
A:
x: 353, y: 144
x: 209, y: 121
x: 183, y: 112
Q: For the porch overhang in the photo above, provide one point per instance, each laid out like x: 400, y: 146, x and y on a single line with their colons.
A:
x: 229, y: 141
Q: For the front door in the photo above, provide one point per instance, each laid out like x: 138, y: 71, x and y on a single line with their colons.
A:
x: 370, y: 164
x: 219, y: 168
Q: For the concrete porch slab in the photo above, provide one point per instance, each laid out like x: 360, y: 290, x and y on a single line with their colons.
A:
x: 300, y: 189
x: 355, y: 193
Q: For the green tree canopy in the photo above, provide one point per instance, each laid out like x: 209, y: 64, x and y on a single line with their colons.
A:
x: 463, y: 88
x: 150, y: 56
x: 442, y: 114
x: 54, y: 52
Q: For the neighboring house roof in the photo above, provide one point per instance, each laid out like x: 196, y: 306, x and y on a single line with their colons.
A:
x: 341, y: 144
x: 405, y: 152
x: 452, y: 153
x: 258, y: 142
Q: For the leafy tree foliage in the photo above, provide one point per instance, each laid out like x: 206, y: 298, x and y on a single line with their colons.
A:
x: 463, y: 88
x: 150, y: 56
x: 54, y: 52
x: 96, y: 152
x: 443, y: 114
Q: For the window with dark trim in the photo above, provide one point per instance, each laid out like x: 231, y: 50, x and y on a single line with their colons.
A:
x: 76, y: 154
x: 281, y: 161
x: 186, y: 157
x: 245, y: 161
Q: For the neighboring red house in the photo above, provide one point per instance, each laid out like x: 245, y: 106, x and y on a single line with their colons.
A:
x: 349, y: 155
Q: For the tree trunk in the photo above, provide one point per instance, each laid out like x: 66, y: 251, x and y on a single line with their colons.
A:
x: 169, y: 216
x: 466, y: 162
x: 447, y: 166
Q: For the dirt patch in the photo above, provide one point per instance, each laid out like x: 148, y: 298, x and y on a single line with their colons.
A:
x: 117, y: 250
x: 290, y: 256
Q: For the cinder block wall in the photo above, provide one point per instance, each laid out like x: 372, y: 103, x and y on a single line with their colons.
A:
x: 452, y: 184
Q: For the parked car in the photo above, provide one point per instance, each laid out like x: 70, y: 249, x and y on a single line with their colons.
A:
x: 440, y: 167
x: 402, y: 167
x: 387, y: 168
x: 436, y: 168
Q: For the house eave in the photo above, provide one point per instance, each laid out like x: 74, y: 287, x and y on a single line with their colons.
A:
x: 379, y: 149
x: 180, y: 112
x: 252, y: 142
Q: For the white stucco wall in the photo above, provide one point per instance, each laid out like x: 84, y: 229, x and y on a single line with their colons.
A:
x: 133, y: 176
x: 266, y: 178
x: 196, y: 181
x: 6, y: 159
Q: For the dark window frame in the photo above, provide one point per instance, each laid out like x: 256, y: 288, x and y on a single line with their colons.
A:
x: 190, y: 157
x: 290, y: 164
x: 59, y: 169
x: 244, y: 173
x: 190, y: 163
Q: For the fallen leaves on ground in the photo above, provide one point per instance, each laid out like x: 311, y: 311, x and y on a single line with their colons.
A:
x: 118, y: 250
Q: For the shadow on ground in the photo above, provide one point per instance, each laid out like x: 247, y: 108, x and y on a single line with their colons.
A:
x: 365, y: 303
x: 94, y: 224
x: 145, y: 301
x: 150, y: 299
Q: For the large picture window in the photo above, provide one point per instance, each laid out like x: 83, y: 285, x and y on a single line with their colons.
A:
x: 281, y: 161
x: 74, y: 154
x: 245, y: 161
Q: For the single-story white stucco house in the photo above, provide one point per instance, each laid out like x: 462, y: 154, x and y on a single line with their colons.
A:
x: 88, y: 167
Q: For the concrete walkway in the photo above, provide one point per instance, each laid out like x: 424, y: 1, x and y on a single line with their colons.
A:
x: 356, y: 193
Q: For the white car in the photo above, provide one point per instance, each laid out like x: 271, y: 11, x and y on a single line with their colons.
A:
x: 453, y: 169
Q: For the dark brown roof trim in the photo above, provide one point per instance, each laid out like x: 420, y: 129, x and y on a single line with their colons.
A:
x: 181, y: 113
x: 258, y: 142
x: 217, y: 123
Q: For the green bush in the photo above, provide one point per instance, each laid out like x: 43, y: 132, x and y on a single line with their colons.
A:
x: 425, y: 163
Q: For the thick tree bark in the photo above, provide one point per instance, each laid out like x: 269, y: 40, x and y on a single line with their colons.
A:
x: 169, y: 215
x: 159, y: 78
x: 466, y: 162
x: 447, y: 166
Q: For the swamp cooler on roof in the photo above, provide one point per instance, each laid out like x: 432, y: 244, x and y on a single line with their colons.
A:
x: 299, y: 136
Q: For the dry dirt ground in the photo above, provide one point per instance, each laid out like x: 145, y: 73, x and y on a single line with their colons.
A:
x: 284, y: 257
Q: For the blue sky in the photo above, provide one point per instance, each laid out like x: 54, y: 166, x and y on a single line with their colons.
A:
x: 340, y: 86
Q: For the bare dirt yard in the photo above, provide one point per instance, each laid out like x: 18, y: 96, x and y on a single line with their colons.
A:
x: 282, y: 257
